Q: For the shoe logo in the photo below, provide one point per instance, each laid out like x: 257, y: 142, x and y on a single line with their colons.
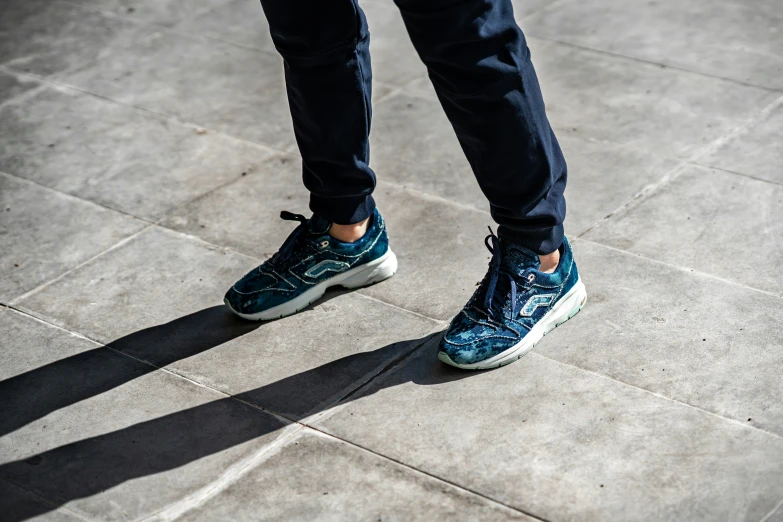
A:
x: 328, y: 265
x: 534, y: 302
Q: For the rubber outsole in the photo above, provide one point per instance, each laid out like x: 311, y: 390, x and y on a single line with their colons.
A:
x: 525, y: 346
x: 362, y: 276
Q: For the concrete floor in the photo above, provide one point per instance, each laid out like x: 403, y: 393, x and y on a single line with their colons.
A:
x: 145, y: 153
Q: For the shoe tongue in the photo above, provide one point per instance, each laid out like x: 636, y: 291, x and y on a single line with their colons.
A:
x: 516, y: 258
x: 318, y: 225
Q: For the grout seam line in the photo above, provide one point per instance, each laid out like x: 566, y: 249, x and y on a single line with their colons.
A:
x: 681, y: 268
x: 766, y: 517
x: 46, y: 284
x: 722, y: 140
x: 534, y: 12
x: 22, y: 96
x: 660, y: 396
x: 533, y: 34
x: 385, y: 370
x: 70, y: 196
x: 226, y: 479
x: 426, y: 473
x: 59, y: 85
x: 639, y: 197
x: 438, y: 322
x: 735, y: 173
x: 693, y: 159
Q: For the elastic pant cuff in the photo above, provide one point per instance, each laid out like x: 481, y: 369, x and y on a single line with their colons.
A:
x: 343, y: 211
x: 542, y: 242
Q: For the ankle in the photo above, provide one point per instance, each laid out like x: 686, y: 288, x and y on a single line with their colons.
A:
x: 349, y: 233
x: 549, y: 262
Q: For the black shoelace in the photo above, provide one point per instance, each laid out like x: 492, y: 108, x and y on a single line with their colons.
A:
x: 496, y: 270
x: 287, y: 250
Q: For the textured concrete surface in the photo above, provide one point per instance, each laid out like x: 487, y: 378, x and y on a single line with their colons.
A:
x: 145, y: 153
x: 725, y: 38
x: 554, y: 440
x: 708, y: 220
x: 321, y: 478
x: 45, y: 233
x: 116, y: 153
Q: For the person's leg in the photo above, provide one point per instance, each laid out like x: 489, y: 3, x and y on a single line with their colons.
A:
x: 327, y: 72
x: 325, y: 47
x: 479, y: 64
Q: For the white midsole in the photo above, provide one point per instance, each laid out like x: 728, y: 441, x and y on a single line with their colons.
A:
x: 362, y: 275
x: 563, y: 310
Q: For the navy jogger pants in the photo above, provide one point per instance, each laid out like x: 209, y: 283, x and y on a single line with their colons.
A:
x: 479, y: 63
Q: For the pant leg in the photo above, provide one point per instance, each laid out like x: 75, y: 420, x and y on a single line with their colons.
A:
x: 325, y: 48
x: 479, y: 64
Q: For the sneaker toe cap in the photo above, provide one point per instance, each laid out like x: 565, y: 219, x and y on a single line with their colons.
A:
x: 468, y: 341
x: 252, y: 294
x: 475, y: 352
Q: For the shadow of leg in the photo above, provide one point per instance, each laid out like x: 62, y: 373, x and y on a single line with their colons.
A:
x: 34, y: 394
x: 91, y: 466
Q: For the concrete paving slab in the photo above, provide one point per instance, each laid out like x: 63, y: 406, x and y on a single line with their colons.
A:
x: 440, y: 250
x: 756, y: 151
x: 238, y: 21
x: 12, y: 86
x: 777, y: 516
x: 414, y: 145
x: 319, y: 478
x: 661, y: 110
x: 157, y: 277
x: 209, y: 83
x: 117, y: 452
x: 426, y: 156
x: 703, y: 342
x: 564, y: 444
x: 727, y: 38
x: 50, y: 37
x: 526, y: 8
x: 245, y: 215
x: 161, y: 12
x: 47, y: 344
x: 118, y: 156
x: 19, y: 504
x: 43, y: 233
x: 708, y: 220
x: 394, y: 59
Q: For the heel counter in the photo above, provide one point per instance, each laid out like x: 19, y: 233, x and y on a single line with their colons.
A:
x: 380, y: 239
x: 573, y: 271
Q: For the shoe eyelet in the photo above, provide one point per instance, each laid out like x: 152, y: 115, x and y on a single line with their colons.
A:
x: 531, y: 278
x: 324, y: 243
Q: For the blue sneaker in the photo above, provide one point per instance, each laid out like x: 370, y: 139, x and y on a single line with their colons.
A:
x: 514, y: 307
x: 309, y: 262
